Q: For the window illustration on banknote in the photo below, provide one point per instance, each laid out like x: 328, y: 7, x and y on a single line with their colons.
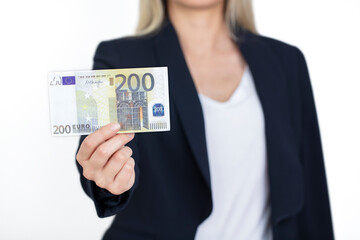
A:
x: 132, y: 111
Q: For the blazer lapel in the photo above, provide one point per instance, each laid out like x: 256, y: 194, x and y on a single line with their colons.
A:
x: 183, y: 94
x: 284, y: 167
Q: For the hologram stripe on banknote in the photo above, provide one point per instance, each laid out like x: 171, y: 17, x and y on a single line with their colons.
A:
x: 83, y: 101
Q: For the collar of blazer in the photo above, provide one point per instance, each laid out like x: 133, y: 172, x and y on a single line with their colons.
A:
x: 284, y: 168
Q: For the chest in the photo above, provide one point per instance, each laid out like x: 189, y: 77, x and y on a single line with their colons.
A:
x: 216, y: 75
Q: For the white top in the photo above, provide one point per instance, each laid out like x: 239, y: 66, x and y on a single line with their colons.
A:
x: 235, y: 138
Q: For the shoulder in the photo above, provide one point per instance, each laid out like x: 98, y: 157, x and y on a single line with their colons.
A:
x: 281, y: 50
x: 286, y: 56
x: 124, y: 52
x: 286, y: 53
x: 128, y: 43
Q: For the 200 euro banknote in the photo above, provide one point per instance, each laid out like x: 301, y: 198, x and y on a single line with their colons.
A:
x: 83, y: 101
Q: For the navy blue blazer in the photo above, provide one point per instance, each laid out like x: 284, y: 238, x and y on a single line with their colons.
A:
x: 172, y: 195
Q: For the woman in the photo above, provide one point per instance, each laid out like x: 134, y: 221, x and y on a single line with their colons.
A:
x: 243, y: 159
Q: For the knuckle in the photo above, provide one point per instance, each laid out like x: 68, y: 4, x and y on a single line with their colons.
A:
x: 120, y: 138
x: 120, y: 156
x: 122, y: 188
x: 89, y: 174
x: 131, y: 162
x: 117, y: 160
x: 88, y: 143
x: 129, y: 166
x: 115, y: 189
x: 102, y: 151
x: 128, y: 150
x: 101, y: 181
x: 103, y: 133
x: 131, y: 182
x: 116, y: 192
x: 127, y: 188
x: 78, y: 159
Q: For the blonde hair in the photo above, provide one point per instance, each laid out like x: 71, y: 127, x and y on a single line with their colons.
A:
x: 237, y: 13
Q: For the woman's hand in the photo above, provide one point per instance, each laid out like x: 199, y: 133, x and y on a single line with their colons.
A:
x: 106, y: 160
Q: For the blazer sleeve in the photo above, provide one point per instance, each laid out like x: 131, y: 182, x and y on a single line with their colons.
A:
x: 316, y: 222
x: 106, y: 203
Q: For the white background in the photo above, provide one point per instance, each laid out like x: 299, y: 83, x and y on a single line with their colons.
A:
x: 41, y: 196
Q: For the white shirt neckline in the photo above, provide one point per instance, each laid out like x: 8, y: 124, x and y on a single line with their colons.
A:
x: 241, y: 92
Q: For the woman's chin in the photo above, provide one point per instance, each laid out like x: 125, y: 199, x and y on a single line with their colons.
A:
x: 197, y: 4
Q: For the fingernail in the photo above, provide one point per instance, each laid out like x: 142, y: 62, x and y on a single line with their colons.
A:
x: 115, y: 126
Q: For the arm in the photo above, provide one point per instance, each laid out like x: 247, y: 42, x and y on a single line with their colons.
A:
x: 106, y: 203
x: 315, y: 219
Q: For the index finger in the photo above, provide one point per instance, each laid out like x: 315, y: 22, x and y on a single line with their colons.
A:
x: 92, y: 141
